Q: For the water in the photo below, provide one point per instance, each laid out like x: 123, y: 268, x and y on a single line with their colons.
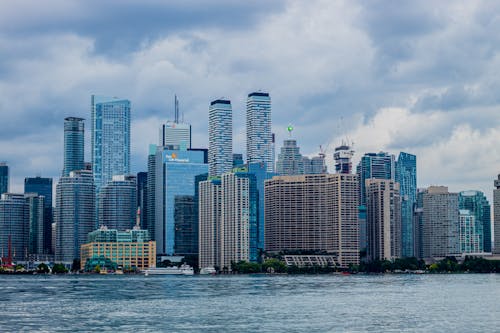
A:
x: 259, y: 303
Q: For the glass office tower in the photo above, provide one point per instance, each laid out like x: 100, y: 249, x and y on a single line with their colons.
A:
x: 4, y: 178
x: 74, y: 136
x: 406, y: 176
x: 43, y: 186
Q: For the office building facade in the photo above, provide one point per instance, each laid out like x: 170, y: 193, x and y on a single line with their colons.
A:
x: 118, y: 203
x: 406, y: 176
x: 43, y: 187
x: 142, y: 202
x: 470, y: 239
x: 177, y: 136
x: 110, y: 138
x: 496, y: 215
x: 477, y: 203
x: 220, y: 137
x: 4, y: 178
x: 74, y: 213
x: 14, y: 227
x: 209, y: 217
x: 74, y: 138
x: 290, y: 161
x: 259, y: 131
x: 313, y: 213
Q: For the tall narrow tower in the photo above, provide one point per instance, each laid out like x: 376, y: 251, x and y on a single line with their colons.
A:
x: 259, y: 135
x: 74, y: 135
x: 342, y: 156
x: 496, y: 215
x: 220, y: 137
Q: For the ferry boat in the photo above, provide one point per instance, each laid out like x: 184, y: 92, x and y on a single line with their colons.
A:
x: 183, y: 270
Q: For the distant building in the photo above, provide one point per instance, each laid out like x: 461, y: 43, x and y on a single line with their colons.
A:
x: 210, y: 216
x: 496, y: 216
x: 118, y: 203
x: 14, y: 226
x: 313, y: 213
x: 406, y: 176
x: 142, y: 191
x: 131, y: 249
x: 4, y: 178
x: 378, y: 166
x: 238, y: 160
x: 290, y: 161
x: 383, y: 208
x: 37, y: 231
x: 151, y: 193
x: 478, y: 205
x: 186, y: 227
x: 220, y: 137
x: 470, y: 240
x: 43, y: 186
x: 74, y: 213
x: 441, y: 231
x: 74, y: 138
x: 315, y: 165
x: 176, y: 136
x: 110, y: 138
x: 258, y: 126
x: 418, y: 224
x: 342, y: 156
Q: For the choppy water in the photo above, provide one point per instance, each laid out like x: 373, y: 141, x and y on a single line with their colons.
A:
x: 260, y: 303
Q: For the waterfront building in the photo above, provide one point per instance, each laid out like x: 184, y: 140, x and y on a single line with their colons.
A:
x: 43, y: 187
x: 209, y: 217
x: 4, y: 178
x: 313, y: 213
x: 258, y: 126
x: 74, y: 138
x: 14, y: 227
x: 342, y: 156
x: 496, y: 215
x: 74, y: 213
x: 131, y: 249
x: 220, y: 137
x: 110, y: 138
x: 142, y: 190
x: 406, y: 176
x: 118, y: 203
x: 418, y: 224
x: 470, y: 239
x: 441, y: 231
x: 151, y: 192
x: 477, y: 203
x: 175, y: 172
x: 36, y: 219
x: 186, y: 227
x: 290, y: 161
x: 383, y: 222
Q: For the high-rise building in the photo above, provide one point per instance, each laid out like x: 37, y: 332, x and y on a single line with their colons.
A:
x: 470, y: 240
x: 496, y: 216
x: 238, y: 160
x: 110, y: 139
x: 4, y: 178
x: 477, y: 203
x: 220, y: 137
x: 186, y: 227
x: 418, y: 224
x: 151, y: 193
x: 379, y: 166
x: 342, y: 156
x: 175, y: 172
x: 74, y: 213
x: 43, y: 186
x: 315, y: 165
x: 14, y: 227
x: 37, y: 232
x: 118, y: 203
x: 210, y: 216
x: 142, y: 190
x: 406, y: 176
x: 290, y: 161
x: 259, y: 135
x: 313, y: 213
x: 383, y: 222
x: 441, y: 223
x: 177, y: 136
x: 74, y: 138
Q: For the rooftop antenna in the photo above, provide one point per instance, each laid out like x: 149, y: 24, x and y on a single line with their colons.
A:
x: 176, y: 105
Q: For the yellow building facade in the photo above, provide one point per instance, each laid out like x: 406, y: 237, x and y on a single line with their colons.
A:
x: 139, y: 255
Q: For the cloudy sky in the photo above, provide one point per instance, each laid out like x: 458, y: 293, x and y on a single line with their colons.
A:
x: 421, y: 77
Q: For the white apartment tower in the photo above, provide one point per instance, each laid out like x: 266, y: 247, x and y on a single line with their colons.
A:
x: 259, y: 135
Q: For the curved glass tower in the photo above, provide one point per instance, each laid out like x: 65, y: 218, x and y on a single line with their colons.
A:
x: 73, y: 145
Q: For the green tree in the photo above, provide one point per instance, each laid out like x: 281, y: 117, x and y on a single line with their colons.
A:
x: 42, y: 268
x: 274, y: 265
x: 59, y: 269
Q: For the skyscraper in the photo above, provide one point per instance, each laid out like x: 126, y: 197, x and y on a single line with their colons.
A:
x: 259, y: 135
x: 43, y: 186
x: 315, y: 165
x: 110, y: 139
x: 74, y: 213
x: 14, y: 227
x: 313, y: 213
x: 379, y: 166
x: 176, y: 135
x: 74, y: 137
x: 290, y: 161
x: 496, y: 216
x: 210, y: 215
x: 470, y: 239
x: 406, y: 176
x: 478, y: 205
x: 342, y: 156
x: 142, y: 191
x: 4, y: 178
x: 441, y: 225
x: 220, y: 137
x: 118, y: 203
x: 383, y: 207
x: 37, y: 230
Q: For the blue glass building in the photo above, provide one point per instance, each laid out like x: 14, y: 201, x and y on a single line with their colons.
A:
x: 477, y: 203
x: 380, y: 166
x: 4, y: 178
x: 175, y: 172
x: 406, y: 176
x: 74, y: 135
x: 142, y: 189
x: 43, y: 186
x: 110, y: 138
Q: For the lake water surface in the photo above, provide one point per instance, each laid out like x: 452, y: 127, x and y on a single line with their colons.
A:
x: 251, y: 303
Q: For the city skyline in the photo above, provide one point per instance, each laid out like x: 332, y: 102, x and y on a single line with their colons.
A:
x: 390, y: 79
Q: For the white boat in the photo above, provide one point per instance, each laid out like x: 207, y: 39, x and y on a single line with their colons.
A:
x: 183, y: 270
x: 208, y: 271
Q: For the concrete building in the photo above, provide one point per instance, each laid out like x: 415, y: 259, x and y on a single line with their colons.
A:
x: 131, y: 249
x: 74, y: 214
x: 313, y: 213
x: 74, y: 138
x: 441, y: 223
x: 383, y: 208
x: 14, y: 227
x: 210, y: 215
x: 258, y: 126
x: 290, y: 160
x: 177, y: 136
x: 220, y: 137
x: 470, y: 240
x: 118, y: 203
x: 496, y: 215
